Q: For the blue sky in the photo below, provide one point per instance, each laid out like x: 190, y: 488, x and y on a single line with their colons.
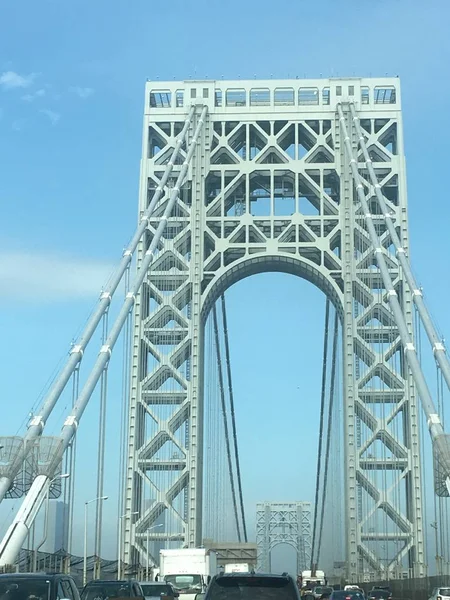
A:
x: 72, y: 76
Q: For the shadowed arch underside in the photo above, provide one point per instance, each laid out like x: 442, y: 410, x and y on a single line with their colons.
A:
x: 270, y: 189
x: 266, y: 263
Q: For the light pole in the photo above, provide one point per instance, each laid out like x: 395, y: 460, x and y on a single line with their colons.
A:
x: 119, y: 548
x: 47, y: 502
x: 85, y: 534
x: 148, y: 544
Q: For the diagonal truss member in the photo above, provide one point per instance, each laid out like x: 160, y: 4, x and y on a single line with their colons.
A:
x: 18, y: 530
x: 37, y: 423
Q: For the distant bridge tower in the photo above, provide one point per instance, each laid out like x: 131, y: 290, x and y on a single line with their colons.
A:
x: 283, y: 523
x: 270, y: 189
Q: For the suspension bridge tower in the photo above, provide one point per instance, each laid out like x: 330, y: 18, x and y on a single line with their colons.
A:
x: 271, y: 185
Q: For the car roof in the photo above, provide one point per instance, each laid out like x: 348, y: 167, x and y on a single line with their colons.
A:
x: 32, y: 575
x: 115, y: 581
x: 254, y: 574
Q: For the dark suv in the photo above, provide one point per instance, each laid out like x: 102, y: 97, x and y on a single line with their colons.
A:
x: 380, y: 593
x: 38, y: 586
x: 252, y: 586
x: 100, y: 589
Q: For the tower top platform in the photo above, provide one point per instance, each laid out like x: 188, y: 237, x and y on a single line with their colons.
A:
x: 273, y: 95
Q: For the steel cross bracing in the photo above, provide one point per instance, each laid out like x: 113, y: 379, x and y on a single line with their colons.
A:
x: 283, y: 523
x: 273, y: 184
x: 271, y: 188
x: 19, y: 529
x: 37, y: 422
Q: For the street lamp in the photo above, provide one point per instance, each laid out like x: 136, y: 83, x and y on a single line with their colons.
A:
x: 148, y: 544
x: 85, y: 534
x: 47, y: 502
x: 119, y: 549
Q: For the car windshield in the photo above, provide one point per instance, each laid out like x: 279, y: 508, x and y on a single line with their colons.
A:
x: 185, y: 582
x: 251, y: 588
x: 444, y: 591
x: 350, y: 594
x: 106, y: 590
x: 326, y: 590
x: 379, y: 594
x: 154, y: 589
x: 20, y: 588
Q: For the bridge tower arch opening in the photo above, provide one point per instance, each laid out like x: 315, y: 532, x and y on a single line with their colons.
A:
x: 283, y: 523
x: 270, y: 188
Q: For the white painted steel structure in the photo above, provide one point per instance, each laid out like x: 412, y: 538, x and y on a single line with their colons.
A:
x: 270, y: 188
x: 283, y: 523
x: 238, y: 178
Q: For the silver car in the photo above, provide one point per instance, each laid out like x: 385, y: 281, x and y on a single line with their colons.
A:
x: 443, y: 593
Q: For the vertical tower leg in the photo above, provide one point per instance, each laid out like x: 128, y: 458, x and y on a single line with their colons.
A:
x: 348, y: 275
x: 195, y: 455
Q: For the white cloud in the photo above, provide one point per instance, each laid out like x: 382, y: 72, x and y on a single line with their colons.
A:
x: 53, y: 116
x: 82, y: 92
x: 9, y: 80
x: 45, y: 278
x: 30, y: 97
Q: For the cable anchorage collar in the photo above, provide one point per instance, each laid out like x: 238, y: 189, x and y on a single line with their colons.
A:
x: 106, y: 349
x: 433, y: 419
x: 438, y: 347
x: 71, y: 421
x: 77, y: 349
x: 37, y: 421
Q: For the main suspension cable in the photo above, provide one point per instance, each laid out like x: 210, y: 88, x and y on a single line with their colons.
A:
x: 225, y: 420
x: 37, y: 423
x: 434, y: 422
x: 233, y: 417
x: 435, y: 341
x: 322, y: 413
x: 13, y: 539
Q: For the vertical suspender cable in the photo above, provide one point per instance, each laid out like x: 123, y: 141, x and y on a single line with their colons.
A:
x: 13, y: 539
x: 329, y: 424
x: 72, y: 452
x: 435, y: 341
x: 123, y: 441
x: 101, y: 458
x: 37, y: 423
x: 225, y: 421
x: 233, y: 417
x: 322, y: 413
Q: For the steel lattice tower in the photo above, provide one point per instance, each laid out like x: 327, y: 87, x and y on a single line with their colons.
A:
x: 270, y: 189
x: 283, y: 523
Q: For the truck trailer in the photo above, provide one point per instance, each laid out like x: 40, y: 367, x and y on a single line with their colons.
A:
x: 189, y: 570
x: 237, y: 568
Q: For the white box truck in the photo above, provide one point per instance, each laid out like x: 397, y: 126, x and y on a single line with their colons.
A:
x: 311, y: 579
x: 189, y: 570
